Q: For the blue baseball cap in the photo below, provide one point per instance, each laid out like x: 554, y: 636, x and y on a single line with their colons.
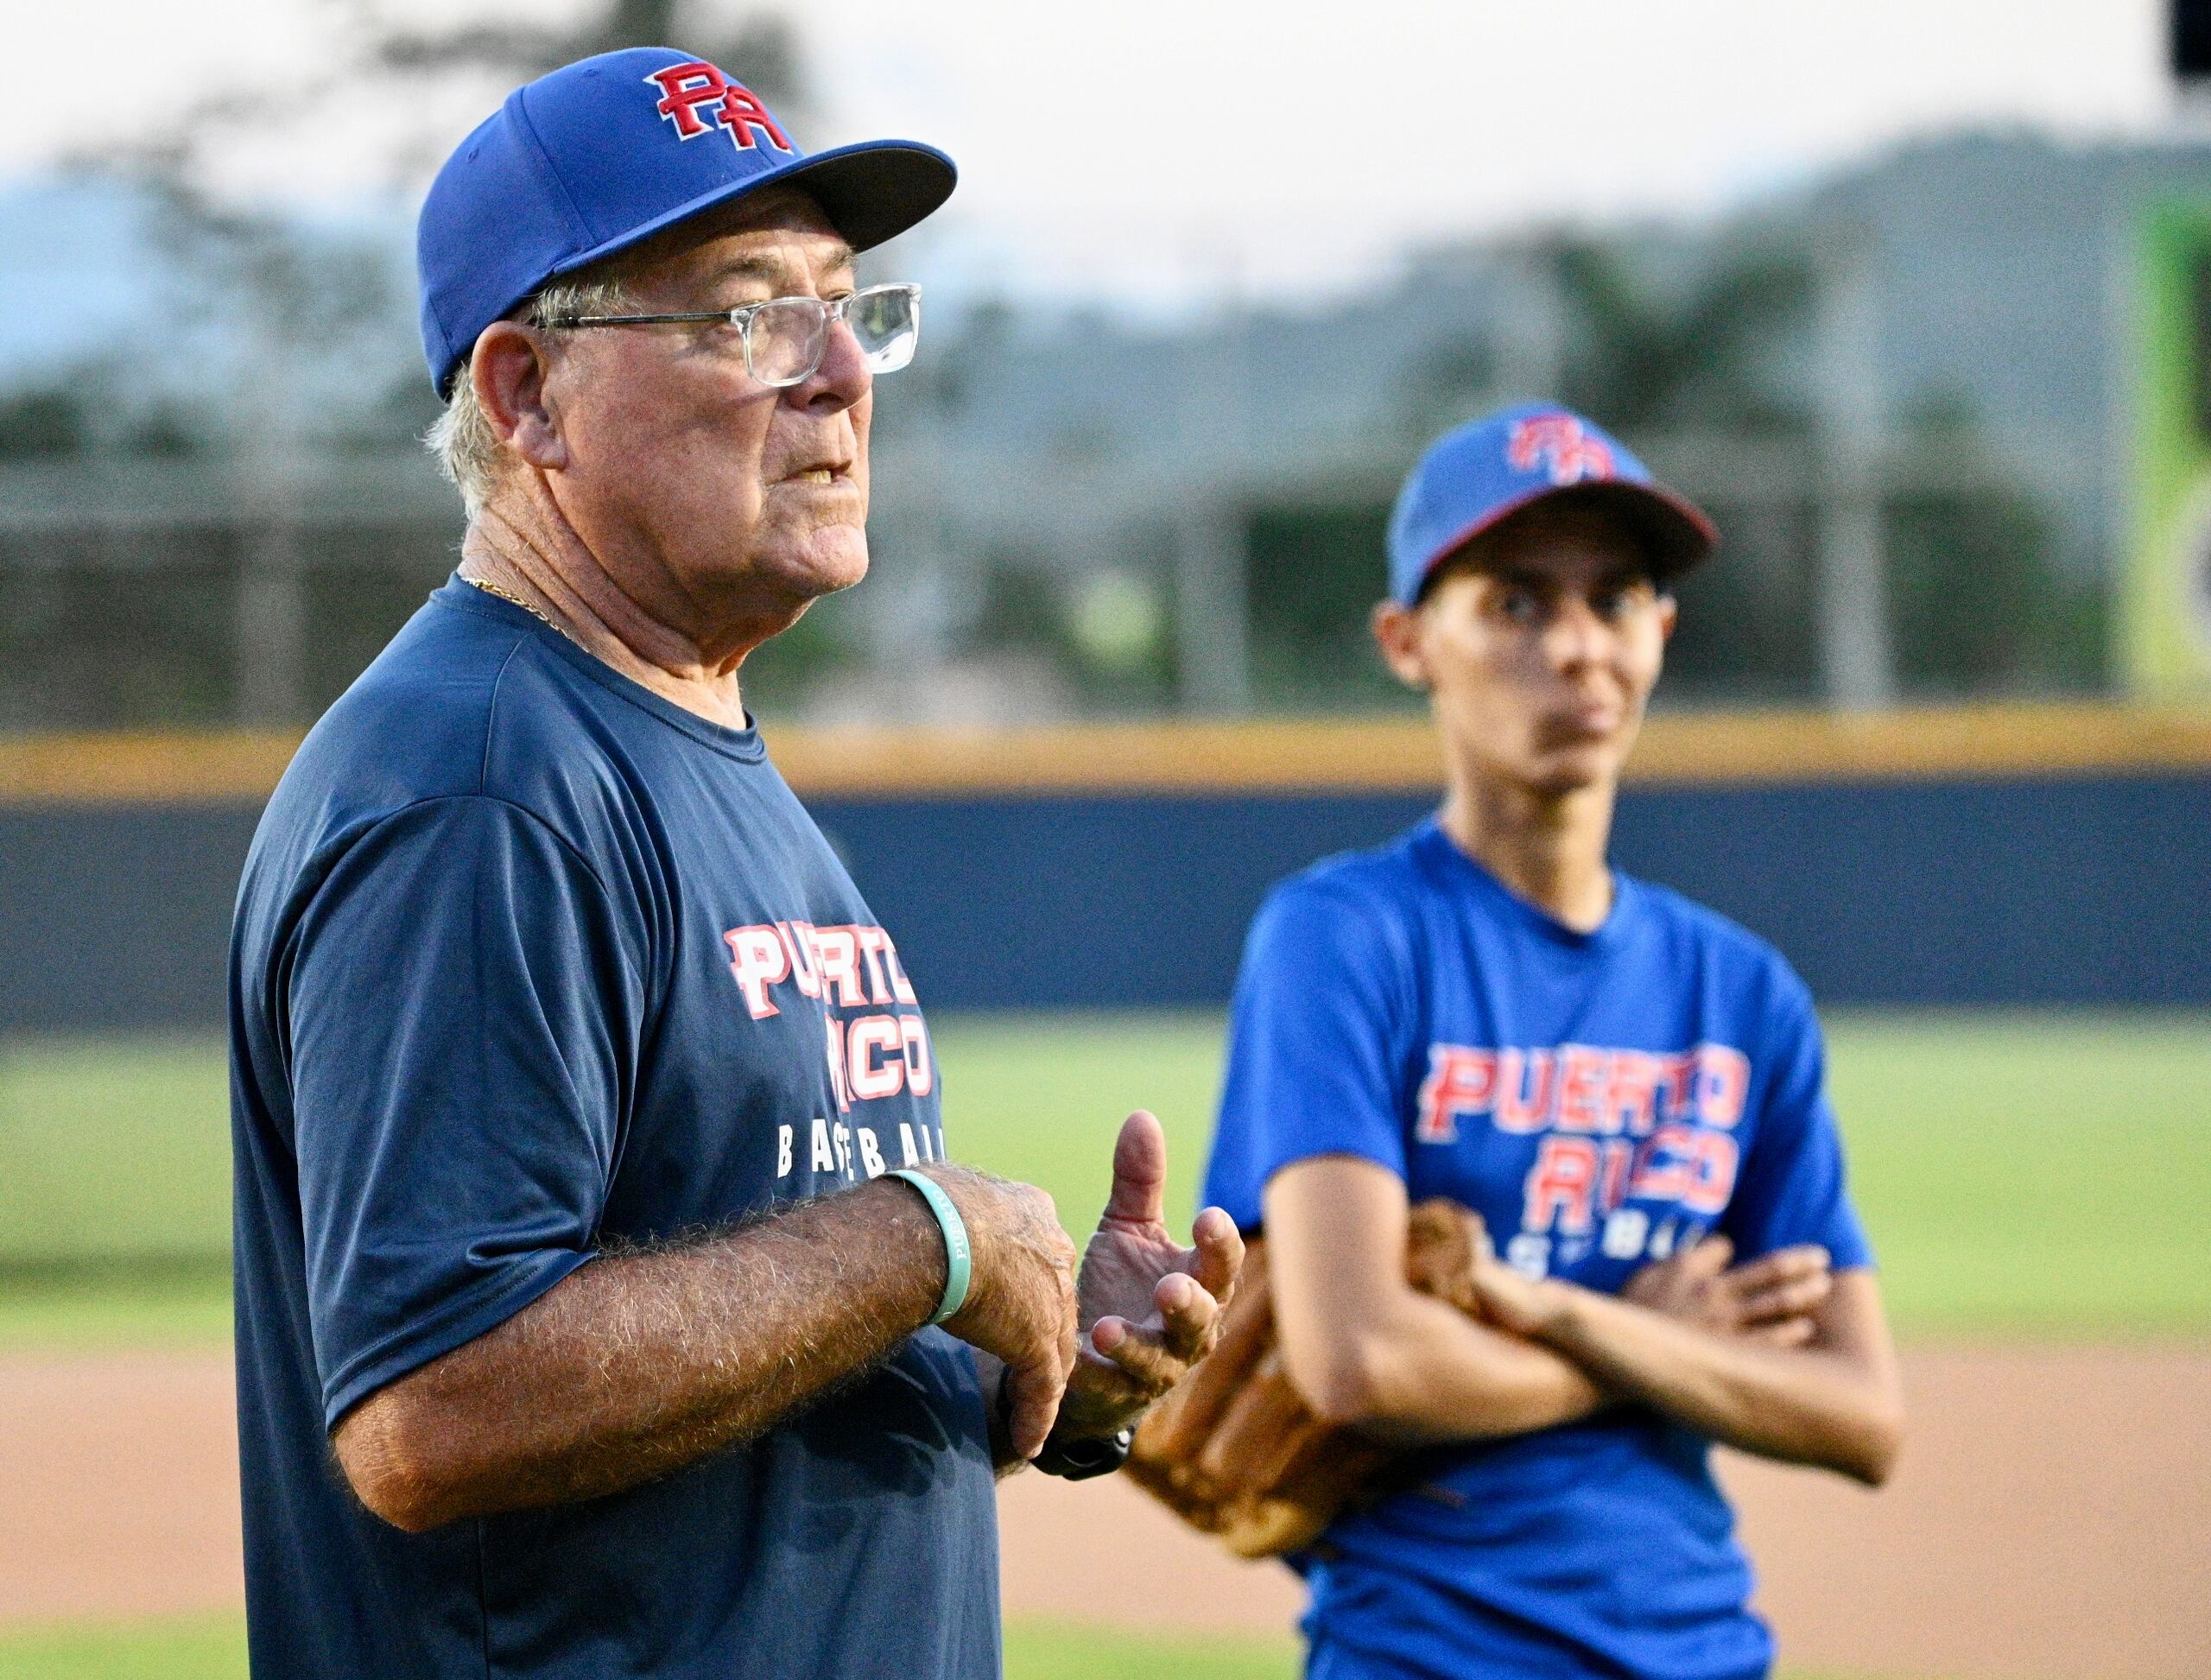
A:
x: 1487, y: 470
x: 598, y: 154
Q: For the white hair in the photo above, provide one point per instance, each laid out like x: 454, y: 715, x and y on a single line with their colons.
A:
x: 461, y: 439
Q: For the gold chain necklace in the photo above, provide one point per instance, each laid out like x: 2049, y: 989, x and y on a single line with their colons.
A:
x: 508, y: 595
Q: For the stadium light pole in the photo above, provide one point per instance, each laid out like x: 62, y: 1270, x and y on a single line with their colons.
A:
x: 1532, y: 365
x: 271, y: 624
x: 1857, y: 663
x: 1212, y: 611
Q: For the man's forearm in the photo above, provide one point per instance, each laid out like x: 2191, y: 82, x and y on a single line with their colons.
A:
x: 639, y: 1363
x: 1815, y: 1405
x: 1427, y: 1373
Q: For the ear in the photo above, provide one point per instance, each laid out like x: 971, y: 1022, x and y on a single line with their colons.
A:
x: 1396, y: 633
x: 510, y: 367
x: 1670, y: 616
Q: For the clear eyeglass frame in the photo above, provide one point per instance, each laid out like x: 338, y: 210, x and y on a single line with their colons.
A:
x: 784, y: 339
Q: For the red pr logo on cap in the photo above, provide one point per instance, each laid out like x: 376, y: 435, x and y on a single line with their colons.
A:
x: 687, y: 90
x: 1561, y: 443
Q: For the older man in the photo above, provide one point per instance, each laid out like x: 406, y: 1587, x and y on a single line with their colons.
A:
x: 584, y: 1316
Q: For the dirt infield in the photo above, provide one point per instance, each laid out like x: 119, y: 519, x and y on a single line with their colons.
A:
x: 2049, y: 1523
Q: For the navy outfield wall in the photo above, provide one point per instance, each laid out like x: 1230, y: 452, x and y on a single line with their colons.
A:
x: 2072, y: 886
x: 2076, y: 891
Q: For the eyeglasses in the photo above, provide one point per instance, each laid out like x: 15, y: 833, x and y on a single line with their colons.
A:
x: 786, y: 338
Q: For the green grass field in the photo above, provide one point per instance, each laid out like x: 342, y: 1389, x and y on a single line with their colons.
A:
x: 2042, y: 1176
x: 214, y: 1648
x: 2023, y: 1176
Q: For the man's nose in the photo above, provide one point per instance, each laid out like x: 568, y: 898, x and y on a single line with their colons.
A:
x: 843, y: 378
x: 1578, y: 635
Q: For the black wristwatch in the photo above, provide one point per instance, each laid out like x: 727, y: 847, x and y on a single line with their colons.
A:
x: 1079, y: 1460
x: 1073, y: 1460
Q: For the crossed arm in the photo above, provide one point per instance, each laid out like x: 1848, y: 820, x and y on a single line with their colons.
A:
x: 1779, y: 1358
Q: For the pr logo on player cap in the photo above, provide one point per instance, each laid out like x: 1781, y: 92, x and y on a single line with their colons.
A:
x: 1561, y: 443
x: 697, y: 98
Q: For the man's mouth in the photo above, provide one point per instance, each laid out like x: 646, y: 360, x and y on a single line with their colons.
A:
x: 1590, y: 721
x: 815, y: 475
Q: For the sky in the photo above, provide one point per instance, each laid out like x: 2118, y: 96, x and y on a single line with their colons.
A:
x: 1144, y: 153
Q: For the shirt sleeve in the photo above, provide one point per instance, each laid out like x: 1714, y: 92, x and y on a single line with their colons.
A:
x: 463, y: 1023
x: 1315, y: 1044
x: 1794, y: 1187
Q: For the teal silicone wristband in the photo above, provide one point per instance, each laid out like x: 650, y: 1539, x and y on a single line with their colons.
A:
x: 959, y: 1259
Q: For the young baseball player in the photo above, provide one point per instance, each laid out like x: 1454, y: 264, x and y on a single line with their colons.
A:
x: 1625, y: 1087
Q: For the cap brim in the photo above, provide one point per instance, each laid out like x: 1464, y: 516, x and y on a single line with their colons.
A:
x: 872, y: 192
x: 1680, y: 534
x: 1677, y: 530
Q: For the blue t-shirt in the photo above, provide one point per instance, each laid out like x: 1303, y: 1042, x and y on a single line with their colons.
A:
x: 529, y: 960
x: 1600, y: 1099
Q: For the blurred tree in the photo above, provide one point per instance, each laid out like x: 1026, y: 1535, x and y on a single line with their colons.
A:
x: 1105, y: 631
x: 266, y: 287
x: 40, y: 423
x: 1661, y: 349
x: 1981, y: 600
x: 275, y: 336
x: 1747, y: 633
x: 1709, y: 352
x: 761, y: 49
x: 1706, y: 354
x: 382, y: 48
x: 288, y: 327
x: 1315, y: 571
x: 1449, y: 383
x: 83, y: 410
x: 300, y: 295
x: 165, y: 431
x: 1023, y: 607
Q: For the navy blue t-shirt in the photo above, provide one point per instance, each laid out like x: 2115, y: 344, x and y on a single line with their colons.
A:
x: 529, y: 960
x: 1600, y: 1099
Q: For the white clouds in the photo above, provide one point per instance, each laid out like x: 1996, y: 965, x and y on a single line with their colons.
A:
x: 1120, y: 148
x: 1133, y: 147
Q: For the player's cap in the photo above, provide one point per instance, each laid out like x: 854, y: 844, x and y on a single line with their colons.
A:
x: 1487, y: 470
x: 607, y: 151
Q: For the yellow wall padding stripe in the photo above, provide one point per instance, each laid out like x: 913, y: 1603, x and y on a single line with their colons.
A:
x: 108, y: 767
x: 1922, y: 744
x: 1712, y: 749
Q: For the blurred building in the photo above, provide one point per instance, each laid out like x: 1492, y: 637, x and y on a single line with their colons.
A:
x: 1906, y: 392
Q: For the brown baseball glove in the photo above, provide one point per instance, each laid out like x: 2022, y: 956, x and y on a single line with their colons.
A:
x: 1232, y: 1449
